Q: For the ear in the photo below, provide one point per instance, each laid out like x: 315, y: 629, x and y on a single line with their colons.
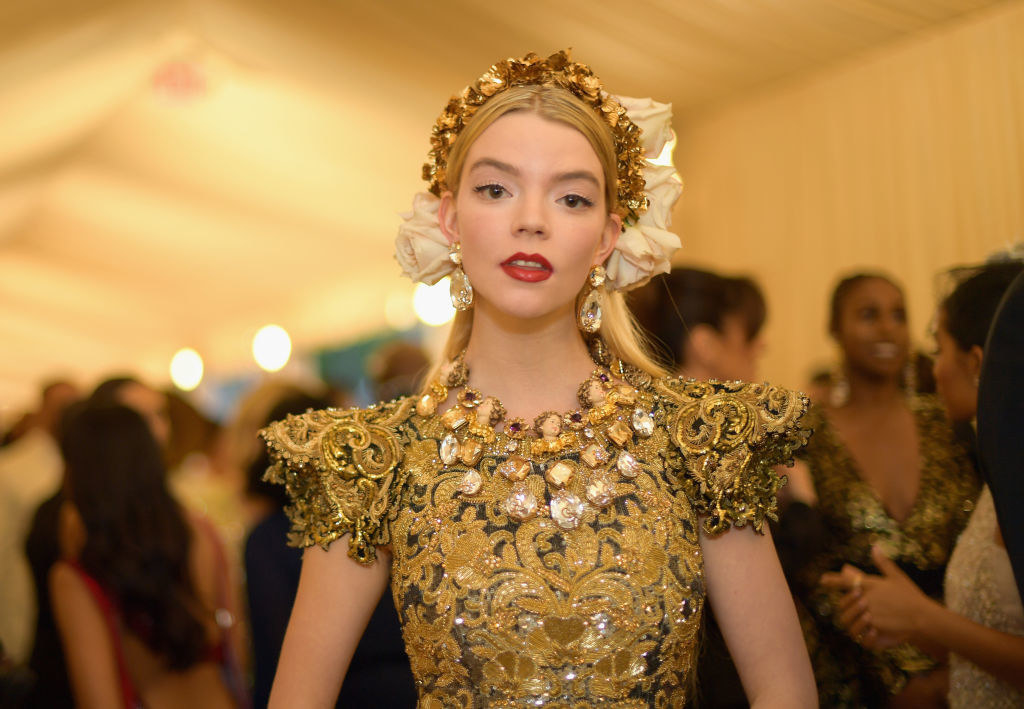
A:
x: 974, y: 357
x: 446, y: 216
x: 609, y: 238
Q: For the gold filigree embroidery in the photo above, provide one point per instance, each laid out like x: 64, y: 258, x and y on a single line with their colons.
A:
x: 733, y: 433
x: 338, y: 467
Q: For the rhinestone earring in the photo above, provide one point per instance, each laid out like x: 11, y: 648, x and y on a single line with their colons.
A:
x: 459, y: 288
x: 589, y: 316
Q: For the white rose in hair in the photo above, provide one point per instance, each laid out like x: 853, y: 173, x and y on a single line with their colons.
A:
x: 642, y: 252
x: 420, y: 247
x: 654, y: 121
x: 663, y: 187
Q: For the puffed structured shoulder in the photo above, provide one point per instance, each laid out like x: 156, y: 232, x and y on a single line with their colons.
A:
x: 339, y: 468
x: 730, y: 436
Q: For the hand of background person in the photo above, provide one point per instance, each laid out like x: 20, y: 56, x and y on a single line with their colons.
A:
x: 878, y: 611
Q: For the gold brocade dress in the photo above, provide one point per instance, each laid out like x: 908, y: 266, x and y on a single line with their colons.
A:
x: 855, y: 519
x: 500, y: 613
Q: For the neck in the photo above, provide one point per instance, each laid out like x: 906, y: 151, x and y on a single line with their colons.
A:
x: 530, y: 365
x: 873, y: 392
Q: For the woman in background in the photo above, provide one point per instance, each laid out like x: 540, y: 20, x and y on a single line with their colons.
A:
x: 139, y: 597
x: 981, y: 627
x: 885, y: 471
x: 708, y: 325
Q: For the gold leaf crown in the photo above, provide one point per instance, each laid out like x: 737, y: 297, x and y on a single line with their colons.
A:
x: 556, y: 70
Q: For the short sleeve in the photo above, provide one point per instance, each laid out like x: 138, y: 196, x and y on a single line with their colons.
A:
x: 729, y: 437
x: 340, y: 469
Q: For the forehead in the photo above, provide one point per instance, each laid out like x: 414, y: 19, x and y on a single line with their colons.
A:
x: 528, y: 140
x: 874, y: 291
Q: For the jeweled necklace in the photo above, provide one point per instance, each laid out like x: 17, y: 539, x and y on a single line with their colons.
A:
x: 581, y: 455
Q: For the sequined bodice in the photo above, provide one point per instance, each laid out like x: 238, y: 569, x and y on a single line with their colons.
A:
x: 855, y: 519
x: 980, y: 586
x: 504, y: 612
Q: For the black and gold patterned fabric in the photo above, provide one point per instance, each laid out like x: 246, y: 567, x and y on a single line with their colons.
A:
x: 499, y: 612
x: 854, y: 520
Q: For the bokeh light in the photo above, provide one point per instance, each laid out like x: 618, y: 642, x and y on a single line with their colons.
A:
x: 271, y: 347
x: 186, y: 369
x: 433, y: 304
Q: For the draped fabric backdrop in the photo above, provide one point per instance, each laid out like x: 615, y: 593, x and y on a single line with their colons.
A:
x: 908, y: 160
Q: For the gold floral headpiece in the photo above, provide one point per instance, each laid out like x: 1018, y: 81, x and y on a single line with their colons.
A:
x: 647, y: 191
x: 556, y: 70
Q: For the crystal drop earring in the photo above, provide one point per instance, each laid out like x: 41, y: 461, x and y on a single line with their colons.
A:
x: 459, y: 288
x: 589, y: 316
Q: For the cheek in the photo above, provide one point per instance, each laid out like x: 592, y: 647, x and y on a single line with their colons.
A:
x: 953, y: 386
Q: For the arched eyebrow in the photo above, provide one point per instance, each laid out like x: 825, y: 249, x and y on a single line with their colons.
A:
x: 497, y: 164
x: 513, y: 170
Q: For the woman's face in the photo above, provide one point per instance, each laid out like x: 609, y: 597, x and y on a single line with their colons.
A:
x: 531, y: 216
x: 956, y: 375
x: 872, y: 328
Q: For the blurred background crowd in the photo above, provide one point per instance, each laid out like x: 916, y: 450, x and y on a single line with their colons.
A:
x: 197, y: 210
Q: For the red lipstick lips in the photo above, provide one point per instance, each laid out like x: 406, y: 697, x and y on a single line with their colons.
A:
x: 531, y: 268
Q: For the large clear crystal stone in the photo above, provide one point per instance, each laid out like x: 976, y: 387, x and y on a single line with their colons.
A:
x: 449, y: 449
x: 566, y: 509
x: 471, y: 483
x: 461, y: 291
x: 521, y: 503
x: 600, y: 490
x: 590, y: 311
x: 643, y: 422
x: 627, y: 465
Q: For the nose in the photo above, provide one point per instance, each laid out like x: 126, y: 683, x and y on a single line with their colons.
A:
x: 530, y: 217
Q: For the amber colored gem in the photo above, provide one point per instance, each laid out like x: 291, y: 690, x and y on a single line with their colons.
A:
x: 426, y: 406
x: 594, y: 455
x: 560, y: 474
x: 516, y: 468
x: 619, y: 433
x: 454, y: 418
x: 470, y: 451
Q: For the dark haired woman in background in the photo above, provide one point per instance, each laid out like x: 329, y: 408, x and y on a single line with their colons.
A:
x: 981, y: 626
x: 886, y: 472
x: 141, y: 588
x: 707, y: 326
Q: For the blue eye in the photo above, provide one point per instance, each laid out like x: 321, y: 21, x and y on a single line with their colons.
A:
x: 575, y: 201
x: 493, y: 191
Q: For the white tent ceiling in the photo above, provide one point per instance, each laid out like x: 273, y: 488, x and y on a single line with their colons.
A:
x: 181, y: 172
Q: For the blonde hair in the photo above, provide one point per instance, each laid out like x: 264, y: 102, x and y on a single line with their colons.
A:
x: 619, y: 329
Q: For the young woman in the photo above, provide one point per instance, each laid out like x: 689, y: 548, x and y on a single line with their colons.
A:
x: 567, y: 563
x: 139, y: 594
x: 884, y: 470
x: 981, y: 627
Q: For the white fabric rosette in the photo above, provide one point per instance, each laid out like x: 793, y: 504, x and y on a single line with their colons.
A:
x: 644, y: 249
x: 420, y: 247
